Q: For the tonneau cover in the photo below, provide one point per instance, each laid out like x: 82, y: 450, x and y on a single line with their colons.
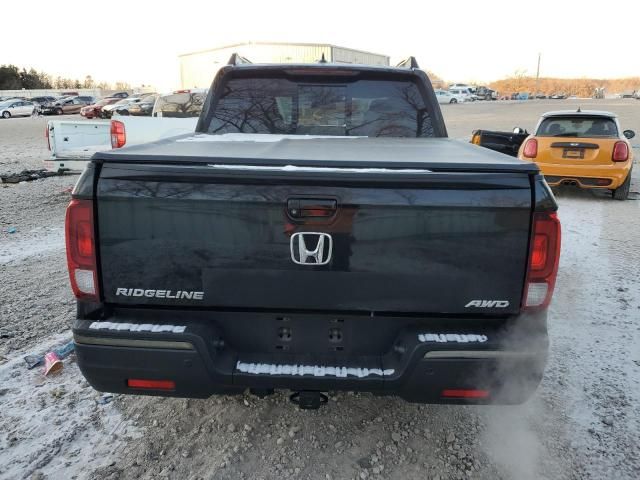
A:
x: 355, y: 152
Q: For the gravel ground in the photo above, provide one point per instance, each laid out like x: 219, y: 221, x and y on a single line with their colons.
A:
x: 583, y: 422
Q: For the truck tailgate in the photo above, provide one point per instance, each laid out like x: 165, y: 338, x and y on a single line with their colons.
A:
x: 193, y: 235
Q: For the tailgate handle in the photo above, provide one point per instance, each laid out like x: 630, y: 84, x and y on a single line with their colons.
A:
x: 311, y: 207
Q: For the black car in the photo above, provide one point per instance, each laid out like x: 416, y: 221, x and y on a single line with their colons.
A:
x: 144, y: 108
x: 119, y: 95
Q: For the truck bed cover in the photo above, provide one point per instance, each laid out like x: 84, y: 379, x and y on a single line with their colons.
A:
x: 340, y: 152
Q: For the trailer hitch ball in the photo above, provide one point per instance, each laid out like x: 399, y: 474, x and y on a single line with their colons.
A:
x: 308, y: 400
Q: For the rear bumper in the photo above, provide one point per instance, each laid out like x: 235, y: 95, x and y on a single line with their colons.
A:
x: 491, y: 364
x: 586, y: 176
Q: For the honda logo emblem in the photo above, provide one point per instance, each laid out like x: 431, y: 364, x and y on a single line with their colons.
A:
x: 311, y: 248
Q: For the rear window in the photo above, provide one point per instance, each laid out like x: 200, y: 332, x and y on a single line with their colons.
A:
x: 373, y: 108
x: 578, y: 126
x: 179, y: 105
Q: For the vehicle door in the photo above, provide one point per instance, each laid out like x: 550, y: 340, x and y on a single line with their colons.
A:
x: 75, y: 106
x: 15, y: 109
x: 27, y: 108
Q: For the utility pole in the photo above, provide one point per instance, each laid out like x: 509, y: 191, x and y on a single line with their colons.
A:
x: 538, y: 75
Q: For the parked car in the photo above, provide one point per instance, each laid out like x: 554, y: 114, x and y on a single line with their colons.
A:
x: 445, y: 97
x: 265, y: 251
x: 558, y: 96
x: 462, y: 95
x: 119, y: 95
x: 67, y: 105
x: 17, y: 108
x: 93, y: 110
x: 180, y: 104
x: 145, y: 107
x: 122, y: 105
x: 485, y: 93
x: 587, y: 149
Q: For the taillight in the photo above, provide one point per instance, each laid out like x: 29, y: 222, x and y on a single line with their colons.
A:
x: 544, y: 257
x: 46, y: 134
x: 531, y: 148
x: 81, y: 250
x: 118, y: 134
x: 620, y: 152
x: 476, y: 138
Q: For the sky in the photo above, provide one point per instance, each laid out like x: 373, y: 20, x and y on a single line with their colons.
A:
x: 138, y: 41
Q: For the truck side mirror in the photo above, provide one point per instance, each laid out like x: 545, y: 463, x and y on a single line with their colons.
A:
x: 629, y: 134
x: 519, y: 131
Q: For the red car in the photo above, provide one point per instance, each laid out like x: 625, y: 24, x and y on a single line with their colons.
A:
x: 93, y: 111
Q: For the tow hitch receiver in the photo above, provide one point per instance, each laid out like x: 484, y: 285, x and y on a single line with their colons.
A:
x: 308, y: 400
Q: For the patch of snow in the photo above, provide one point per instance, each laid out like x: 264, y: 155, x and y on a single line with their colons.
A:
x: 315, y: 370
x: 54, y: 425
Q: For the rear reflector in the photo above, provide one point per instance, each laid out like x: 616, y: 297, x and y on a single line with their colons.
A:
x: 461, y: 393
x: 151, y: 384
x: 81, y: 257
x: 118, y: 134
x: 531, y: 148
x: 543, y: 261
x: 620, y: 152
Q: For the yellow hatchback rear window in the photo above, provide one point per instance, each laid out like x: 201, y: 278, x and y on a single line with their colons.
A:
x: 578, y: 126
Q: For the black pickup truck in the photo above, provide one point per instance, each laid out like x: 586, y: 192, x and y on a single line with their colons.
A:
x: 318, y: 232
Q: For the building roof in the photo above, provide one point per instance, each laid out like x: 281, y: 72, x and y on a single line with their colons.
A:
x: 242, y: 44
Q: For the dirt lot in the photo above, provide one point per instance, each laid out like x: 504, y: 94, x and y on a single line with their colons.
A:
x: 584, y: 421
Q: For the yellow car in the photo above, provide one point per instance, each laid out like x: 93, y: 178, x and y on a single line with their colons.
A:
x: 583, y: 148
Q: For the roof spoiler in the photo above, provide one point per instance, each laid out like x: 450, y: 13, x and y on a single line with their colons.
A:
x: 236, y: 59
x: 410, y: 62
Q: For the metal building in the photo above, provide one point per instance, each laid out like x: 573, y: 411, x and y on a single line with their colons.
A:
x: 197, y: 69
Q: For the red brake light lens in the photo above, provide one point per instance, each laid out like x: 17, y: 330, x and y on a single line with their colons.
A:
x: 544, y: 258
x: 118, y: 134
x: 539, y: 253
x: 81, y: 259
x: 531, y: 148
x: 465, y: 393
x: 151, y: 384
x: 620, y: 152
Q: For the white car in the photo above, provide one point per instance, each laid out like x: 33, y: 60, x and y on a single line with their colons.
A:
x: 462, y: 94
x: 445, y: 97
x: 17, y: 108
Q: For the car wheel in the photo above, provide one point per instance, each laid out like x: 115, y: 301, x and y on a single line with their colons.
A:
x: 124, y: 112
x: 622, y: 192
x: 59, y: 111
x: 6, y: 115
x: 453, y: 100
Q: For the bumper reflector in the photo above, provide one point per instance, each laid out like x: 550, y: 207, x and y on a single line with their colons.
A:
x: 151, y: 384
x: 461, y: 393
